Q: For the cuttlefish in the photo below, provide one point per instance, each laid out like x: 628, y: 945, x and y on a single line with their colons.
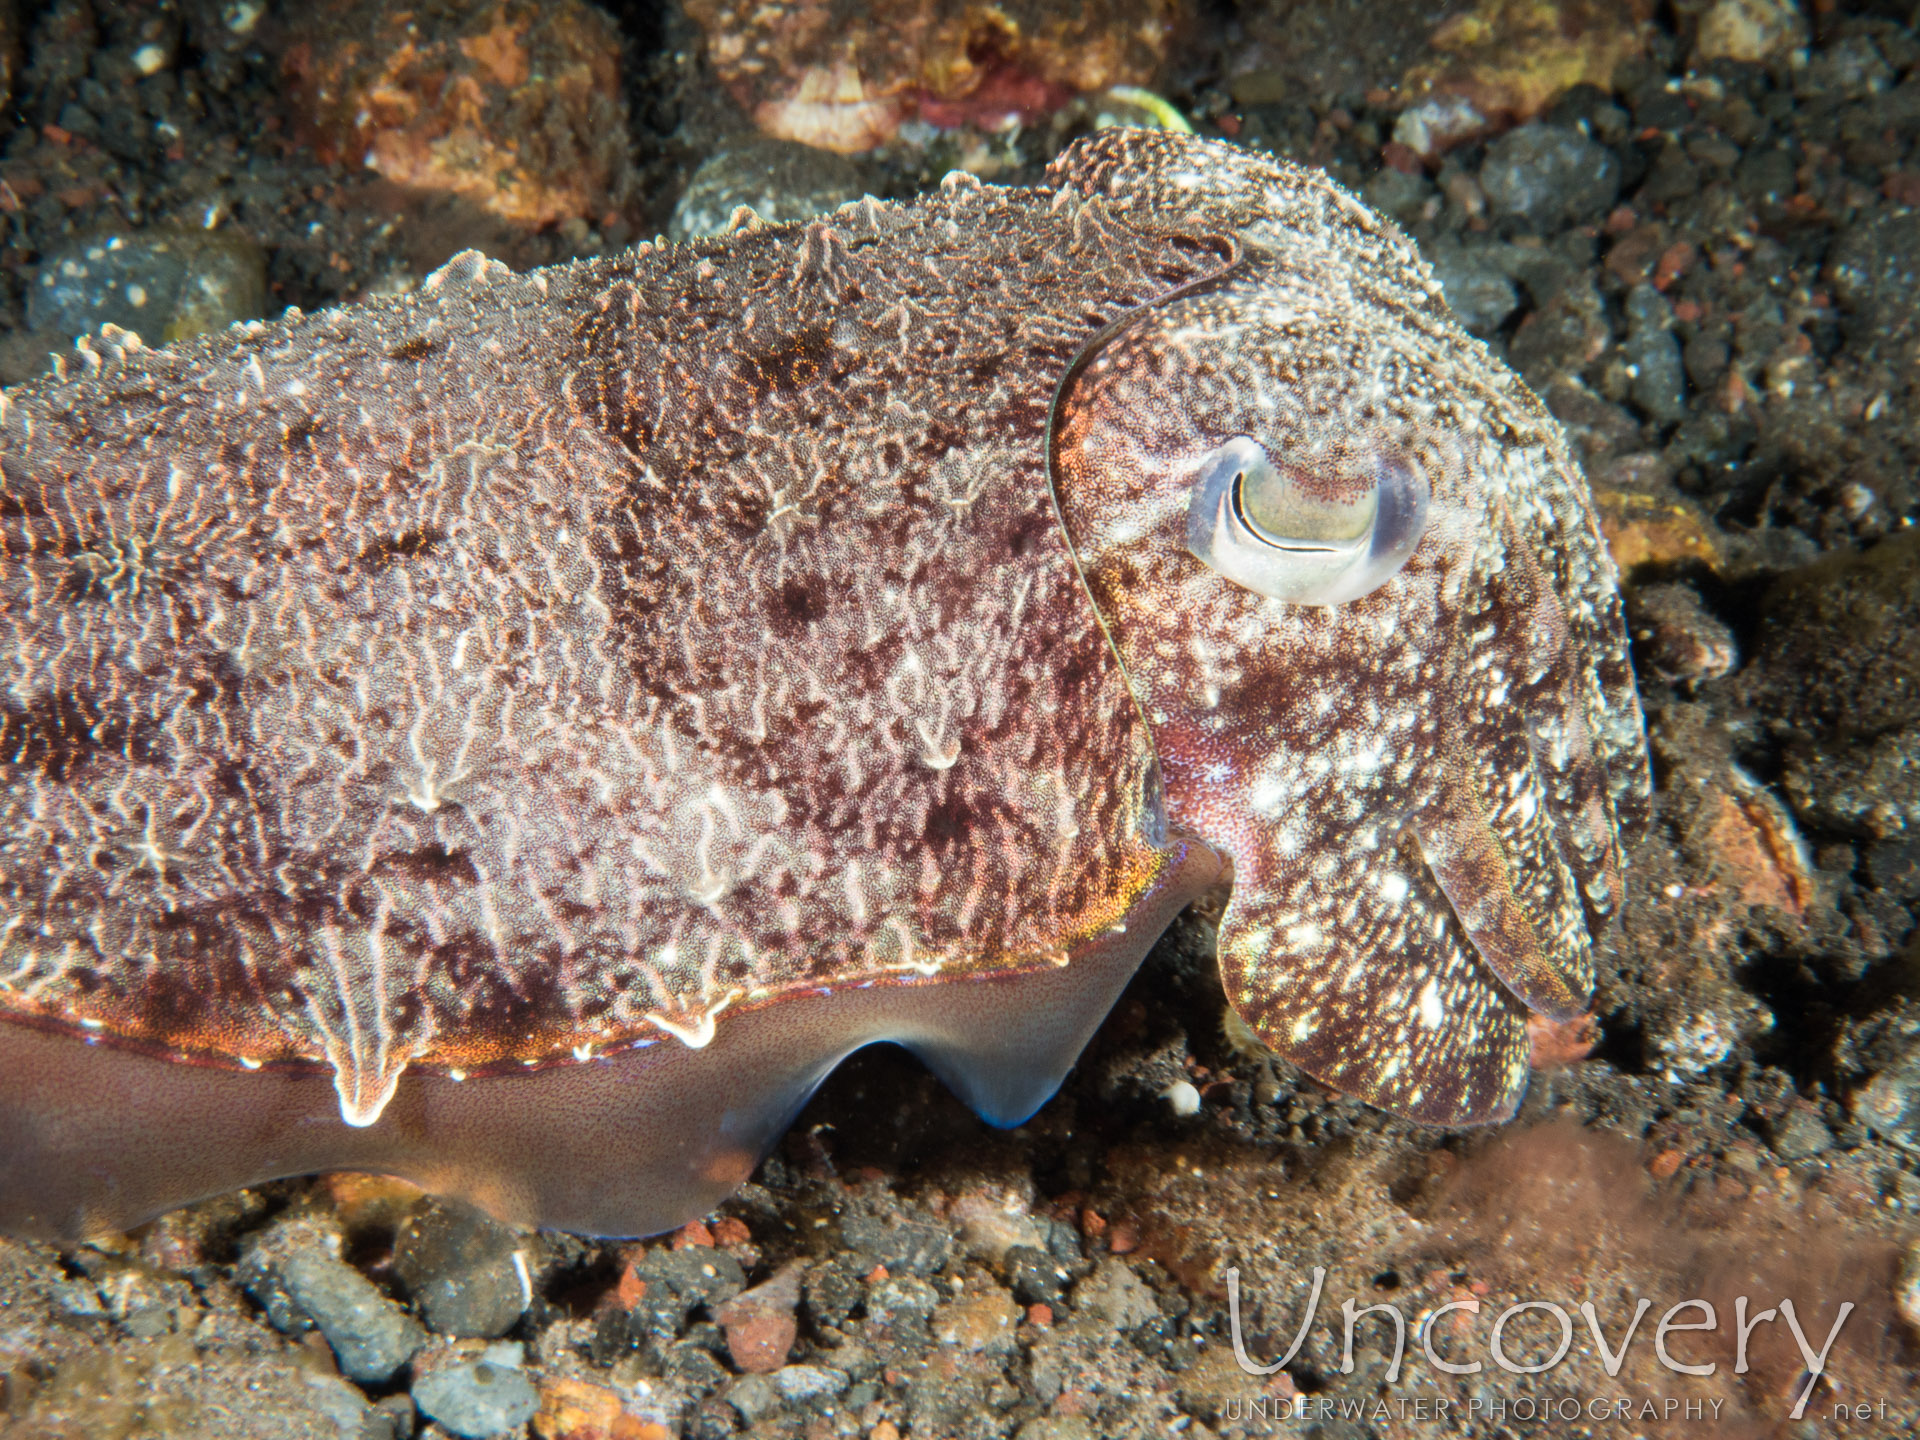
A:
x: 523, y: 735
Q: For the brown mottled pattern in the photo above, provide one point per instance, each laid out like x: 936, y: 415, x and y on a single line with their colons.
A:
x: 533, y: 664
x: 1419, y: 789
x: 538, y: 665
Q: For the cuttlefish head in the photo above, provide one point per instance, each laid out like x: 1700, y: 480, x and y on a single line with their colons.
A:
x: 1359, y: 593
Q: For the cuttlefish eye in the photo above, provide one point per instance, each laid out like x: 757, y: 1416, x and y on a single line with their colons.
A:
x: 1276, y: 532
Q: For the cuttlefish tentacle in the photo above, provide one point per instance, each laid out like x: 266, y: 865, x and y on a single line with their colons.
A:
x: 1340, y: 949
x: 1519, y: 832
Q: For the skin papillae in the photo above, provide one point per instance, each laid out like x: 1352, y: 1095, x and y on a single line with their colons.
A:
x: 523, y: 734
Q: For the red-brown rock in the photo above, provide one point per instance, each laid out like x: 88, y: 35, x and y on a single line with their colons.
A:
x: 846, y: 77
x: 511, y: 105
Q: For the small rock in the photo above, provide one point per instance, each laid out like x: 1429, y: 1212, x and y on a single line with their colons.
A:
x: 345, y: 1406
x: 1676, y: 636
x: 1549, y: 176
x: 1849, y: 69
x: 833, y: 1290
x: 992, y: 1220
x: 1036, y: 1276
x: 1800, y: 1134
x: 293, y: 1270
x: 514, y: 108
x: 1115, y: 1297
x: 760, y: 1323
x: 77, y: 1302
x: 1405, y: 197
x: 1906, y: 1288
x: 1889, y: 1103
x: 1875, y: 266
x: 1648, y: 522
x: 1437, y: 124
x: 1692, y: 1044
x: 371, y: 1336
x: 899, y: 1245
x: 1512, y: 59
x: 800, y: 1384
x: 162, y: 284
x: 673, y: 1282
x: 983, y: 1320
x: 1477, y: 290
x: 1064, y: 1427
x: 476, y: 1399
x: 1182, y: 1098
x: 849, y: 79
x: 1749, y: 30
x: 392, y: 1417
x: 463, y: 1270
x: 1659, y: 385
x: 142, y: 1301
x: 574, y: 1409
x: 901, y: 1302
x: 754, y: 1397
x: 779, y: 180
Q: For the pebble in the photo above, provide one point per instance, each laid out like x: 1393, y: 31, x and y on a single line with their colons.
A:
x: 832, y: 1291
x: 464, y: 1271
x: 908, y: 1245
x: 981, y: 1320
x: 371, y: 1336
x: 1875, y: 266
x: 1549, y: 176
x: 292, y: 1270
x: 1438, y: 123
x: 1906, y: 1288
x: 391, y: 1418
x: 1036, y: 1276
x: 1659, y: 384
x: 992, y: 1220
x: 162, y: 284
x: 1403, y: 196
x: 1114, y: 1297
x: 1477, y: 290
x: 1848, y: 69
x: 516, y: 110
x: 760, y: 1323
x: 1889, y: 1102
x: 901, y: 1302
x: 1677, y: 638
x: 800, y: 1384
x: 479, y: 1398
x: 1800, y: 1134
x: 1749, y: 30
x: 1182, y: 1098
x: 1692, y: 1044
x: 779, y: 180
x: 673, y: 1282
x: 754, y: 1397
x: 346, y: 1407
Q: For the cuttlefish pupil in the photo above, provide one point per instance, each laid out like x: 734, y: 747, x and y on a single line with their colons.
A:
x: 1264, y: 528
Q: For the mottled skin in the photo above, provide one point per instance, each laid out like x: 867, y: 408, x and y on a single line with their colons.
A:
x: 535, y: 666
x: 1419, y: 788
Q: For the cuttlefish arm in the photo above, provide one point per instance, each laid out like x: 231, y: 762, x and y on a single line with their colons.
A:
x: 1358, y: 589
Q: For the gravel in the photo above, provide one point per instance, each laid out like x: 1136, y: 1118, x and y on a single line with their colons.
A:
x: 1548, y: 176
x: 478, y: 1398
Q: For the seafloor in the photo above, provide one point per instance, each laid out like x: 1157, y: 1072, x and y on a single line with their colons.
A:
x: 1707, y: 259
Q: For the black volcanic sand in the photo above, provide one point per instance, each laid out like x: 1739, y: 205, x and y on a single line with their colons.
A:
x: 1720, y: 302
